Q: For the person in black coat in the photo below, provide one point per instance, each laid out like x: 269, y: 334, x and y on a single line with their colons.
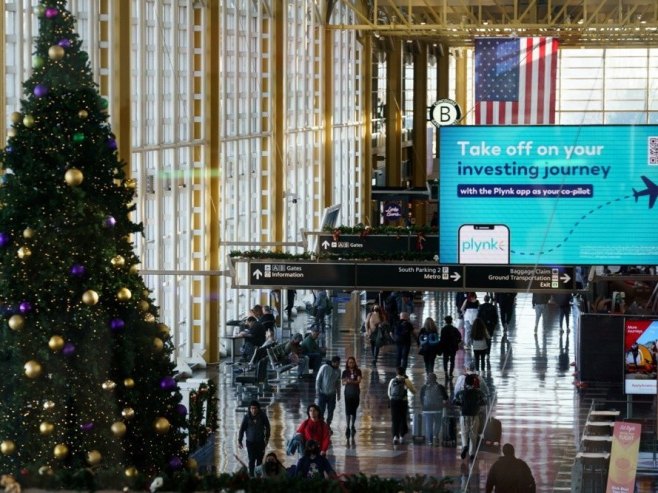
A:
x: 449, y: 345
x: 256, y: 426
x: 510, y: 474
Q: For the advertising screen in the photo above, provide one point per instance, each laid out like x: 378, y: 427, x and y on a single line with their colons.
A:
x: 640, y: 337
x: 566, y: 195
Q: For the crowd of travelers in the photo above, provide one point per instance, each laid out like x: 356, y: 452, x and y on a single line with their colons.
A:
x: 389, y: 321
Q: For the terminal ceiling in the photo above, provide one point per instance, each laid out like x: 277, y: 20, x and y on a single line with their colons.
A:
x: 455, y: 23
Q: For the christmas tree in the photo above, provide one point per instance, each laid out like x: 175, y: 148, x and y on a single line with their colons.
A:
x: 86, y: 375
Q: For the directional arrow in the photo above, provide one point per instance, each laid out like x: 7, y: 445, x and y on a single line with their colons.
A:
x: 455, y: 276
x: 257, y: 274
x: 325, y: 244
x: 565, y: 278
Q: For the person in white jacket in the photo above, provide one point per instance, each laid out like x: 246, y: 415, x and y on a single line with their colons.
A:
x: 327, y: 387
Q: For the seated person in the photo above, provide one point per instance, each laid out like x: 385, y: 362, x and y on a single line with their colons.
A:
x: 270, y: 338
x: 296, y: 354
x: 271, y: 468
x: 254, y: 334
x: 313, y: 428
x: 268, y: 319
x: 312, y: 350
x: 313, y: 464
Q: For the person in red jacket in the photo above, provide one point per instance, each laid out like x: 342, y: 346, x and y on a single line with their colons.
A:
x: 315, y: 428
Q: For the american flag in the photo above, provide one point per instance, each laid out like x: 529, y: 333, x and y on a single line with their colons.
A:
x: 515, y: 81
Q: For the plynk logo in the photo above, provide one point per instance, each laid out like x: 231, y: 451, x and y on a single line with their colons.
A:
x: 482, y: 245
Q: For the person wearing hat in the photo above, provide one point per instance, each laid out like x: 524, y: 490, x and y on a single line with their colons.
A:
x: 327, y: 387
x: 449, y: 344
x: 296, y: 354
x: 256, y: 427
x: 312, y: 349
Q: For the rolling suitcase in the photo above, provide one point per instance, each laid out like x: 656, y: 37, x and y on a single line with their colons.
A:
x: 491, y: 436
x: 417, y: 428
x: 449, y: 428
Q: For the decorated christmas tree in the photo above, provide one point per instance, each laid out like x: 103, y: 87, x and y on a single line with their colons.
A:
x: 87, y: 394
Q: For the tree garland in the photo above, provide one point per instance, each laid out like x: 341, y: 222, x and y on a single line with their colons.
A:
x: 203, y: 414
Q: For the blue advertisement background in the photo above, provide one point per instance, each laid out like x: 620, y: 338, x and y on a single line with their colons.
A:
x: 563, y: 204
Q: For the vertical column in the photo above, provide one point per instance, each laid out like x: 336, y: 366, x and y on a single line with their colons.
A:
x: 394, y: 113
x: 210, y: 58
x: 328, y: 100
x: 365, y: 66
x: 278, y: 112
x: 419, y: 156
x: 460, y: 77
x: 119, y: 12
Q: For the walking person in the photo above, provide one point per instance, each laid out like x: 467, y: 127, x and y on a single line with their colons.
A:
x: 397, y: 393
x: 374, y: 322
x: 403, y: 332
x: 291, y: 294
x: 352, y: 383
x: 449, y: 343
x: 428, y: 343
x: 433, y: 398
x: 481, y: 342
x: 510, y: 474
x: 256, y: 426
x: 470, y: 400
x: 470, y: 310
x: 563, y: 301
x: 327, y: 388
x: 488, y: 312
x: 539, y: 301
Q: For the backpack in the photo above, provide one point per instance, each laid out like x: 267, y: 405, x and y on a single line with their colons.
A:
x: 398, y: 389
x: 433, y: 397
x: 433, y: 339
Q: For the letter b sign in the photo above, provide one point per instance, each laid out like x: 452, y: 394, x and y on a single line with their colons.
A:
x: 445, y: 112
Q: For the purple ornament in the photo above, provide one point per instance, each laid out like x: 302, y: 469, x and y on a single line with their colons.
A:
x: 25, y: 307
x: 9, y: 149
x: 78, y: 270
x: 181, y: 410
x: 112, y: 144
x: 168, y: 383
x: 40, y: 90
x: 175, y: 463
x: 64, y: 43
x: 87, y: 426
x: 68, y: 349
x: 4, y: 239
x: 116, y: 324
x: 110, y: 222
x: 51, y: 12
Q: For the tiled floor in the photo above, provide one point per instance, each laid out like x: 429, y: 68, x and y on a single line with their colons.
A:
x: 537, y: 403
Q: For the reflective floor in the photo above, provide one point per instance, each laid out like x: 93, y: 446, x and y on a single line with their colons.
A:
x: 540, y: 408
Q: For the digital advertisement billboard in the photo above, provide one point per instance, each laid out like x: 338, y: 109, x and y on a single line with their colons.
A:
x: 549, y: 195
x: 640, y: 338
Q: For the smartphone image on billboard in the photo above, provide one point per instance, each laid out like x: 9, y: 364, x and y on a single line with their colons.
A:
x: 483, y: 244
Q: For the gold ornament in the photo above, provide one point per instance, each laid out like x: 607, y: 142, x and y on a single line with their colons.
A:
x: 131, y: 472
x: 28, y: 233
x: 56, y: 52
x: 90, y: 297
x: 124, y: 294
x: 24, y: 252
x: 118, y: 261
x: 28, y: 121
x: 93, y: 457
x: 32, y: 369
x: 128, y: 413
x: 7, y: 447
x: 161, y: 425
x: 45, y: 471
x: 192, y: 464
x: 56, y: 343
x: 144, y: 305
x: 163, y: 329
x: 46, y: 428
x: 16, y: 322
x: 11, y: 132
x: 83, y: 114
x: 158, y: 345
x: 73, y: 177
x: 15, y: 117
x: 130, y: 183
x: 48, y: 405
x: 134, y: 269
x: 128, y: 383
x: 60, y: 451
x: 108, y: 385
x: 118, y: 429
x: 149, y: 317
